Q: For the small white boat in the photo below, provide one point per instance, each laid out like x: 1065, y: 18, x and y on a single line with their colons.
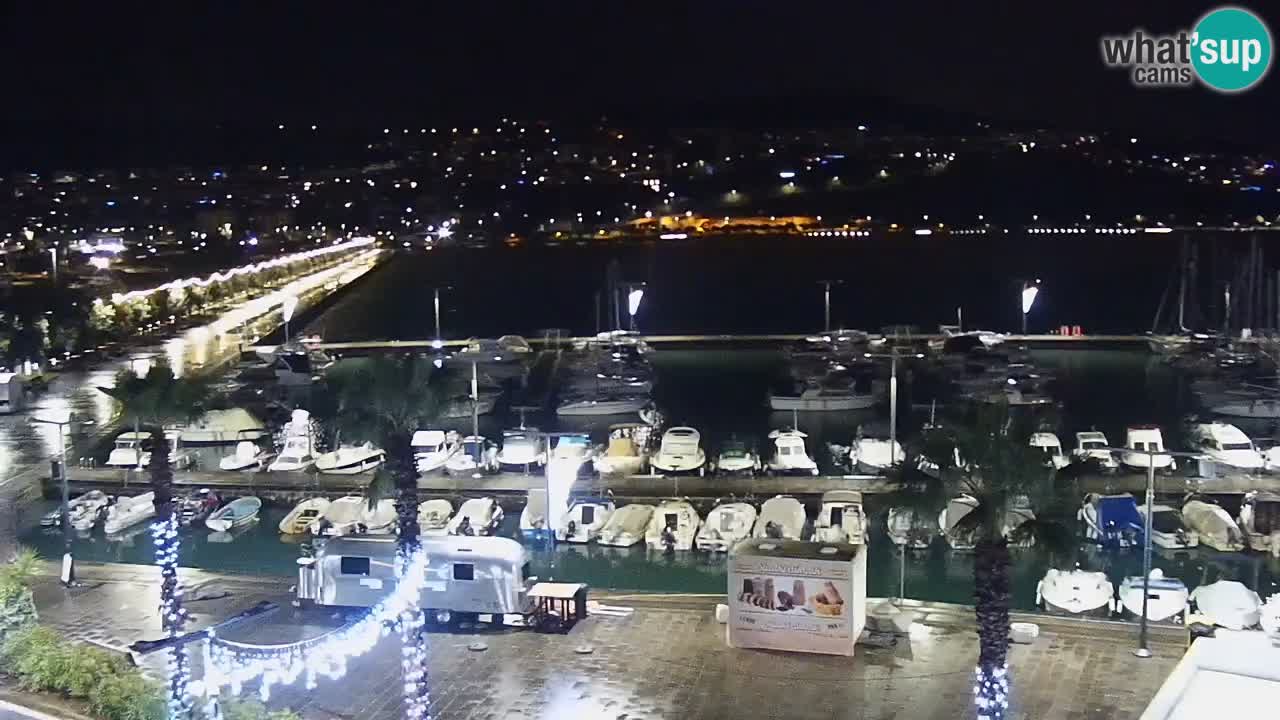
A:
x: 1226, y: 445
x: 237, y: 513
x: 1213, y: 526
x: 132, y: 450
x: 823, y: 399
x: 626, y: 526
x: 1167, y: 529
x: 584, y: 520
x: 1167, y: 598
x: 350, y: 515
x: 534, y: 525
x: 1259, y: 409
x: 300, y: 518
x: 475, y: 455
x: 841, y: 519
x: 873, y: 456
x: 789, y: 454
x: 673, y: 526
x: 1260, y: 521
x: 781, y: 517
x: 907, y: 527
x: 247, y: 457
x: 1146, y: 438
x: 1075, y: 592
x: 958, y: 538
x: 295, y: 456
x: 1049, y: 444
x: 1271, y: 459
x: 572, y: 452
x: 217, y: 427
x: 726, y: 524
x: 522, y: 449
x: 602, y: 404
x: 82, y: 512
x: 433, y: 448
x: 126, y: 512
x: 680, y: 452
x: 433, y: 516
x: 1228, y: 603
x: 1089, y: 449
x: 736, y: 458
x: 625, y: 453
x: 1270, y: 620
x: 477, y: 516
x: 350, y: 460
x: 1112, y: 521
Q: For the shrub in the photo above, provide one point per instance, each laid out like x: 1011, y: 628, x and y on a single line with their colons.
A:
x: 127, y: 696
x: 251, y: 709
x: 40, y: 659
x: 88, y: 666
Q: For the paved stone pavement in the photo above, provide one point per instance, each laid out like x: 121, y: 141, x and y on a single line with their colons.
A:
x: 667, y: 660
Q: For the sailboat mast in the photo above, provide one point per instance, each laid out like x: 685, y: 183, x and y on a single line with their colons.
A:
x: 475, y: 400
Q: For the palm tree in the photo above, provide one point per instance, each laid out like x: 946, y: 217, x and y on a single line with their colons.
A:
x: 151, y: 402
x: 385, y: 400
x: 988, y: 458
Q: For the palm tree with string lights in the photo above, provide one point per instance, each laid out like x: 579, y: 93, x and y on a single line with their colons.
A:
x: 384, y: 400
x: 150, y: 402
x: 987, y: 457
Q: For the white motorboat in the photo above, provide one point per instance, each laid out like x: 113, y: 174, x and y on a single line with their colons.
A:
x: 433, y: 448
x: 1089, y: 449
x: 133, y: 450
x: 1271, y: 459
x: 625, y: 454
x: 626, y: 526
x: 237, y: 513
x: 297, y: 366
x: 1167, y: 598
x: 508, y: 350
x: 522, y: 449
x: 1226, y: 445
x: 680, y: 451
x: 350, y: 459
x: 907, y: 527
x: 841, y: 519
x: 247, y: 457
x: 1075, y: 592
x: 295, y: 456
x: 475, y: 455
x: 726, y: 524
x: 477, y: 516
x: 534, y: 524
x: 1270, y: 620
x: 960, y: 538
x: 1260, y: 521
x: 126, y: 512
x: 781, y: 517
x: 1255, y: 409
x: 584, y: 520
x: 1049, y: 444
x: 350, y: 515
x: 571, y: 453
x: 1213, y: 525
x: 300, y: 518
x: 1112, y: 521
x: 1144, y: 438
x: 82, y: 512
x: 195, y: 508
x: 603, y: 403
x: 673, y: 526
x: 1228, y: 603
x: 875, y: 455
x: 789, y: 454
x: 434, y: 516
x: 1167, y: 529
x: 736, y: 458
x: 217, y: 427
x: 820, y: 398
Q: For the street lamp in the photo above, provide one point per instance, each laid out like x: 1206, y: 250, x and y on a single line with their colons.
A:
x: 826, y: 302
x: 68, y: 575
x: 634, y: 296
x: 1029, y: 292
x: 1142, y: 650
x: 287, y: 306
x: 893, y: 356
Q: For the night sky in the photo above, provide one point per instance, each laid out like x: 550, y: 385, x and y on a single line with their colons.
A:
x: 87, y: 83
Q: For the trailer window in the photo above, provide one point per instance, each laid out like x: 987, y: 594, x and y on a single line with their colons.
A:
x: 464, y: 571
x: 354, y: 565
x: 588, y: 514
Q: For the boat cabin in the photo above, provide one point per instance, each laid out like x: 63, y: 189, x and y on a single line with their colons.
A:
x: 1144, y: 439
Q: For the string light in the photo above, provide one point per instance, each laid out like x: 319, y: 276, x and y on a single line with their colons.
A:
x: 173, y: 616
x: 991, y: 693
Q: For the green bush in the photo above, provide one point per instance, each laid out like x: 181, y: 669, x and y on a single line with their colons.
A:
x: 127, y: 696
x: 88, y: 666
x: 40, y: 659
x: 251, y: 709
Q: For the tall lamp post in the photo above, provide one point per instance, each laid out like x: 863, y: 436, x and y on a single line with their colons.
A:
x: 1028, y: 298
x: 68, y: 575
x: 826, y: 302
x: 287, y: 306
x: 1142, y: 650
x: 635, y: 293
x: 893, y: 356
